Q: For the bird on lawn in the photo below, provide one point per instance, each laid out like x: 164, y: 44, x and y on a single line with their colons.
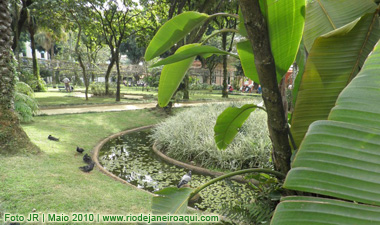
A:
x: 52, y: 138
x: 87, y: 159
x: 80, y: 150
x: 185, y: 179
x: 87, y: 168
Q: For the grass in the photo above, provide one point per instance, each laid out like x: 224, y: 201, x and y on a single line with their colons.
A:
x: 53, y: 98
x: 51, y: 180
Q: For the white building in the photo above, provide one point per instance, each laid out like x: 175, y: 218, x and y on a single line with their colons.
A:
x: 40, y: 55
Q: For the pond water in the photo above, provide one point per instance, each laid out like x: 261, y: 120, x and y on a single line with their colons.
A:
x: 131, y: 158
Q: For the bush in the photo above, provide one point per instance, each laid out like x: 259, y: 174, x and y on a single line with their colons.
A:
x: 217, y: 87
x: 99, y: 89
x: 197, y: 86
x: 45, y: 72
x: 189, y: 136
x: 25, y: 105
x: 27, y: 77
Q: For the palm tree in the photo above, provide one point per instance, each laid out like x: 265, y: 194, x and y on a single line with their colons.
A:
x: 12, y: 137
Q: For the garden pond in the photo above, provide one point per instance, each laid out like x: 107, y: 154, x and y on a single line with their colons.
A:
x: 131, y: 158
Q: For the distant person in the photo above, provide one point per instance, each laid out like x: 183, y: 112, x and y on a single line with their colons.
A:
x: 66, y: 81
x: 250, y: 88
x: 259, y: 90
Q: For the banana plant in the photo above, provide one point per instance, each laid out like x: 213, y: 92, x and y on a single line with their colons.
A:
x: 334, y: 58
x: 339, y: 158
x: 285, y: 23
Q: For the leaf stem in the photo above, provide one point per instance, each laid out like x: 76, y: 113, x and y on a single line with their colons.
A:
x: 224, y: 14
x: 255, y: 170
x: 219, y: 32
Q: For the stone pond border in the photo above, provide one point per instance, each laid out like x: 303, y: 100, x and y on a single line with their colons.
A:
x: 166, y: 158
x: 200, y: 170
x: 197, y: 169
x: 97, y: 148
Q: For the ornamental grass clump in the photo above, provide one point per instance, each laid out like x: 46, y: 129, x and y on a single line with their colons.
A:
x: 189, y: 136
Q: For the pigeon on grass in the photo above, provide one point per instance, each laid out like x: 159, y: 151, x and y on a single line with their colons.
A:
x: 87, y: 168
x: 80, y: 150
x: 52, y: 138
x: 87, y: 159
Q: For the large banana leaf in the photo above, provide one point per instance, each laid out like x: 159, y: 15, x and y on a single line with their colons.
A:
x: 191, y: 52
x: 244, y: 49
x: 241, y: 26
x: 285, y: 23
x: 171, y: 200
x: 301, y: 62
x: 229, y: 122
x: 172, y: 75
x: 172, y: 32
x: 321, y: 211
x: 333, y: 61
x: 340, y: 157
x: 323, y: 16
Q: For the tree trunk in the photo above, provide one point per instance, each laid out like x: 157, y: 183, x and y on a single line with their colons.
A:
x: 108, y: 73
x: 79, y: 56
x: 210, y: 75
x: 224, y: 46
x: 20, y: 23
x: 52, y: 53
x: 36, y: 71
x: 13, y: 139
x: 118, y: 77
x: 186, y: 95
x: 84, y: 72
x: 278, y: 128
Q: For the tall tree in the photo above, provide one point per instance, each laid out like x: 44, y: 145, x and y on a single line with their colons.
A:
x: 19, y: 17
x: 32, y: 29
x: 12, y: 136
x: 205, y: 6
x: 118, y: 21
x: 93, y: 41
x: 212, y: 62
x: 227, y: 23
x: 79, y: 15
x: 133, y: 50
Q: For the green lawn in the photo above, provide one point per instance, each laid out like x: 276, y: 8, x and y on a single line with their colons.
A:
x: 53, y: 98
x: 51, y: 180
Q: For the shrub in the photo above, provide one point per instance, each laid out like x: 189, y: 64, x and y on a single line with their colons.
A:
x: 25, y: 105
x: 46, y: 72
x: 189, y: 136
x: 197, y: 86
x: 99, y: 89
x: 27, y: 77
x: 217, y: 87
